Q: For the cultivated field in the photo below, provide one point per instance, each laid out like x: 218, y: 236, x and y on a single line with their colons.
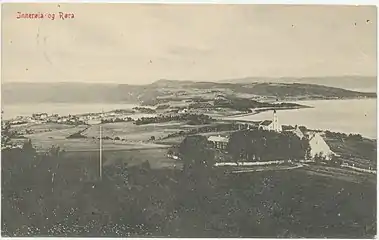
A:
x: 47, y: 135
x: 41, y: 127
x: 136, y: 133
x: 157, y: 157
x: 135, y: 145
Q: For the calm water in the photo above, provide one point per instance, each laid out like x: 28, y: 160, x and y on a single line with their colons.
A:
x: 349, y: 116
x: 11, y: 111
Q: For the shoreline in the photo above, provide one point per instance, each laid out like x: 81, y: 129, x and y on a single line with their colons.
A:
x: 261, y: 110
x: 133, y: 104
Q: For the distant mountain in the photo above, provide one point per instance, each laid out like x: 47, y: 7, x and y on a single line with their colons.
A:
x: 65, y: 93
x: 14, y: 93
x: 355, y: 83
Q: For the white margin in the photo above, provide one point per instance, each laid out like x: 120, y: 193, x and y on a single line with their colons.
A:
x: 297, y: 2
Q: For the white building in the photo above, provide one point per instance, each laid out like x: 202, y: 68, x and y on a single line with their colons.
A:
x: 82, y: 118
x: 297, y: 131
x: 219, y: 142
x: 93, y: 121
x: 185, y: 110
x: 271, y: 125
x: 319, y: 147
x: 245, y: 125
x: 39, y: 116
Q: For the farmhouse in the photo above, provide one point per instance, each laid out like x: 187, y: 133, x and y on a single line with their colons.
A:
x: 298, y: 133
x: 245, y: 125
x: 295, y: 130
x: 319, y: 147
x: 39, y: 116
x: 219, y: 142
x: 266, y: 125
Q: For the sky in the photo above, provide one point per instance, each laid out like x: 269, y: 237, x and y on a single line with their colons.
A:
x: 139, y: 44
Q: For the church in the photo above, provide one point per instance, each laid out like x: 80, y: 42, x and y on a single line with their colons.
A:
x: 271, y: 125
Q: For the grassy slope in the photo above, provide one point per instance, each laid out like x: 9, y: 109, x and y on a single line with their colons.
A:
x: 362, y: 153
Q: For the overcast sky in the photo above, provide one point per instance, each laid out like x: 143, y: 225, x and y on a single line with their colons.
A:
x: 139, y: 44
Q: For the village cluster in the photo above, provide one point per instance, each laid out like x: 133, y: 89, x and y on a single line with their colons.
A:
x: 90, y: 118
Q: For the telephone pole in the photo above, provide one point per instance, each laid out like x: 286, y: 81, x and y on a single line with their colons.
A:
x: 101, y: 156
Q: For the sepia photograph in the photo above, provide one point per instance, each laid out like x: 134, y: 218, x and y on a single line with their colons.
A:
x: 188, y: 120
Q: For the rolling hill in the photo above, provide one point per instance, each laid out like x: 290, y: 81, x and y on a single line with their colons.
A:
x: 15, y: 93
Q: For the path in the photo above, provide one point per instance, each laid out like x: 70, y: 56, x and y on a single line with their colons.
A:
x: 268, y: 169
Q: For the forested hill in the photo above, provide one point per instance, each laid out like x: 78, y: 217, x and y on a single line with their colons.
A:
x: 14, y: 93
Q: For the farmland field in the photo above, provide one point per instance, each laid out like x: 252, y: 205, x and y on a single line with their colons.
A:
x: 41, y: 127
x: 137, y: 133
x: 119, y: 136
x: 156, y: 157
x: 47, y: 135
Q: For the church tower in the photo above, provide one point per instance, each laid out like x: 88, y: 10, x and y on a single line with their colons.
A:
x: 275, y: 122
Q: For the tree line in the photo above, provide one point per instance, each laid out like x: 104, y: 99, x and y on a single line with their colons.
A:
x: 192, y: 119
x: 259, y: 145
x: 245, y: 104
x: 117, y: 119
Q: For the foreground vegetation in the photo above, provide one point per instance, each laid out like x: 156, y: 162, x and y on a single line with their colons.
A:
x: 52, y: 194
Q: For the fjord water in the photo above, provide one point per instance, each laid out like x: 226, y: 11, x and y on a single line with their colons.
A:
x: 348, y: 116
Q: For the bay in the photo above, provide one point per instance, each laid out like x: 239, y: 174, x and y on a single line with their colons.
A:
x: 347, y: 116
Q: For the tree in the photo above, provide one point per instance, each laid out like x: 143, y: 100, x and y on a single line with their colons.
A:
x: 319, y: 158
x: 238, y: 145
x: 195, y: 153
x: 308, y: 155
x: 5, y: 134
x: 54, y: 151
x: 170, y: 152
x: 28, y: 148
